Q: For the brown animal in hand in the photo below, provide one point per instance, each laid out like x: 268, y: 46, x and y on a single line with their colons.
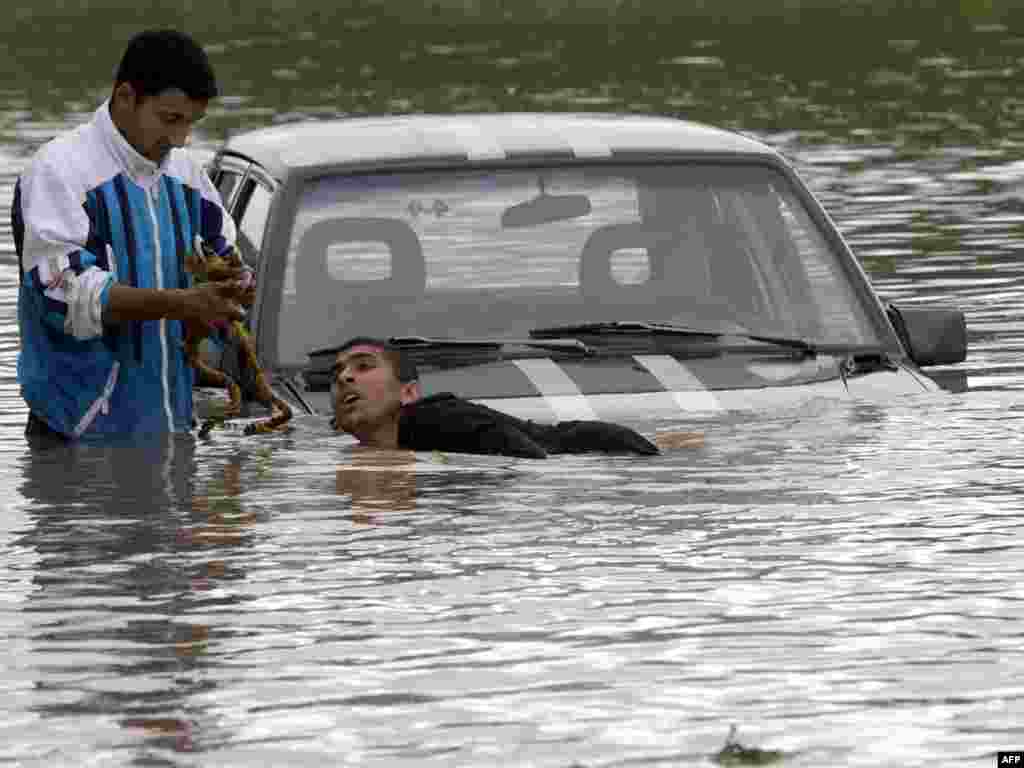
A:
x: 207, y: 266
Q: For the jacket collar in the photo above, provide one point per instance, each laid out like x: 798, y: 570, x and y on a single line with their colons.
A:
x: 141, y: 170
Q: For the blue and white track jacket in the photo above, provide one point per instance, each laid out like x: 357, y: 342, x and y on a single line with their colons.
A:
x: 90, y: 210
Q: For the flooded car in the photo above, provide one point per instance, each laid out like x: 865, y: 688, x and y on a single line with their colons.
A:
x: 563, y: 266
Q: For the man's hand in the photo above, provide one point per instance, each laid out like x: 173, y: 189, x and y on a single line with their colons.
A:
x: 668, y: 441
x: 210, y: 302
x: 206, y: 266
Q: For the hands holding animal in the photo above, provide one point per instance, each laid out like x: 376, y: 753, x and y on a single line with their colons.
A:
x: 223, y: 285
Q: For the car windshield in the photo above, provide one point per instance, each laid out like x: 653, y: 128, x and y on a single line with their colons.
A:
x: 496, y: 253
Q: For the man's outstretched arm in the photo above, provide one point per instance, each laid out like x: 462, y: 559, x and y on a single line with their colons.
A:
x: 206, y: 302
x: 596, y: 436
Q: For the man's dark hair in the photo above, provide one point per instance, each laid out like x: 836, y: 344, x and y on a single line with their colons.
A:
x: 159, y: 59
x: 404, y: 368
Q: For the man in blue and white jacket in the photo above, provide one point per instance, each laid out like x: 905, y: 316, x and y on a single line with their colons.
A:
x: 103, y: 217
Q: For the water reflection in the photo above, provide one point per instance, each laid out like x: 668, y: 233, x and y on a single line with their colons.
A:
x: 218, y: 514
x: 377, y: 479
x: 131, y: 543
x: 107, y: 611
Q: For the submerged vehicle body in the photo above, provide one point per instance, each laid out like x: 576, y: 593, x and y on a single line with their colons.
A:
x: 563, y: 266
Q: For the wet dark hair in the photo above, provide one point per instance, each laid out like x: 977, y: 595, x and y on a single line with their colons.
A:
x: 159, y: 59
x: 404, y: 368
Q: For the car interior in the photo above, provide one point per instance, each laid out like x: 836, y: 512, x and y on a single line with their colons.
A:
x: 709, y: 269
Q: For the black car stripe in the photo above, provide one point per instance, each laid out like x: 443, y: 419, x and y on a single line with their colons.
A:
x: 133, y: 268
x: 179, y: 234
x: 18, y: 227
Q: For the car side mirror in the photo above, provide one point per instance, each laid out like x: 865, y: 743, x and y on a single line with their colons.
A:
x: 931, y: 335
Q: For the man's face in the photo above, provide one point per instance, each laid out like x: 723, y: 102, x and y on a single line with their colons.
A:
x: 367, y: 392
x: 156, y: 124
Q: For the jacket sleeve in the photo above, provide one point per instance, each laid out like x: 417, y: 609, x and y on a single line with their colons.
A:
x: 447, y: 423
x: 588, y: 436
x: 217, y: 228
x: 71, y: 285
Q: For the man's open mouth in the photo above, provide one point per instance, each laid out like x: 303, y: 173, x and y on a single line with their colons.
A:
x: 349, y: 398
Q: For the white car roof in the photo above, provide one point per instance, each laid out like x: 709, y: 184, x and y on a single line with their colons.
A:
x: 480, y: 138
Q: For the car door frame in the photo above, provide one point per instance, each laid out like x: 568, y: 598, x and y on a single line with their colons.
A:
x: 250, y: 173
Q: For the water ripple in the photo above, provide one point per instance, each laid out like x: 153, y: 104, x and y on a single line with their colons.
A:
x: 817, y: 577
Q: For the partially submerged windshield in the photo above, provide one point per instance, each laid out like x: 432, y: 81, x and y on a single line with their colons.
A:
x: 496, y: 253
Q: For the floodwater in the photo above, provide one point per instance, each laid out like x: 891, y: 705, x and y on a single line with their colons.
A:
x: 841, y: 581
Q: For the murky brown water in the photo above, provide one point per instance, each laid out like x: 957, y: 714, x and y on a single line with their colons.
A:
x: 841, y: 582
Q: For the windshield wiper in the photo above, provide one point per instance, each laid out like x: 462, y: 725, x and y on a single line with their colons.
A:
x: 430, y: 343
x: 414, y: 343
x: 620, y: 326
x: 805, y: 347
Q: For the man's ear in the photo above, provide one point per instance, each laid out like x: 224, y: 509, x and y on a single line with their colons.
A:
x: 410, y: 392
x: 125, y: 95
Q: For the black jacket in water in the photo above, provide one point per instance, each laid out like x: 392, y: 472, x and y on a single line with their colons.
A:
x: 444, y: 422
